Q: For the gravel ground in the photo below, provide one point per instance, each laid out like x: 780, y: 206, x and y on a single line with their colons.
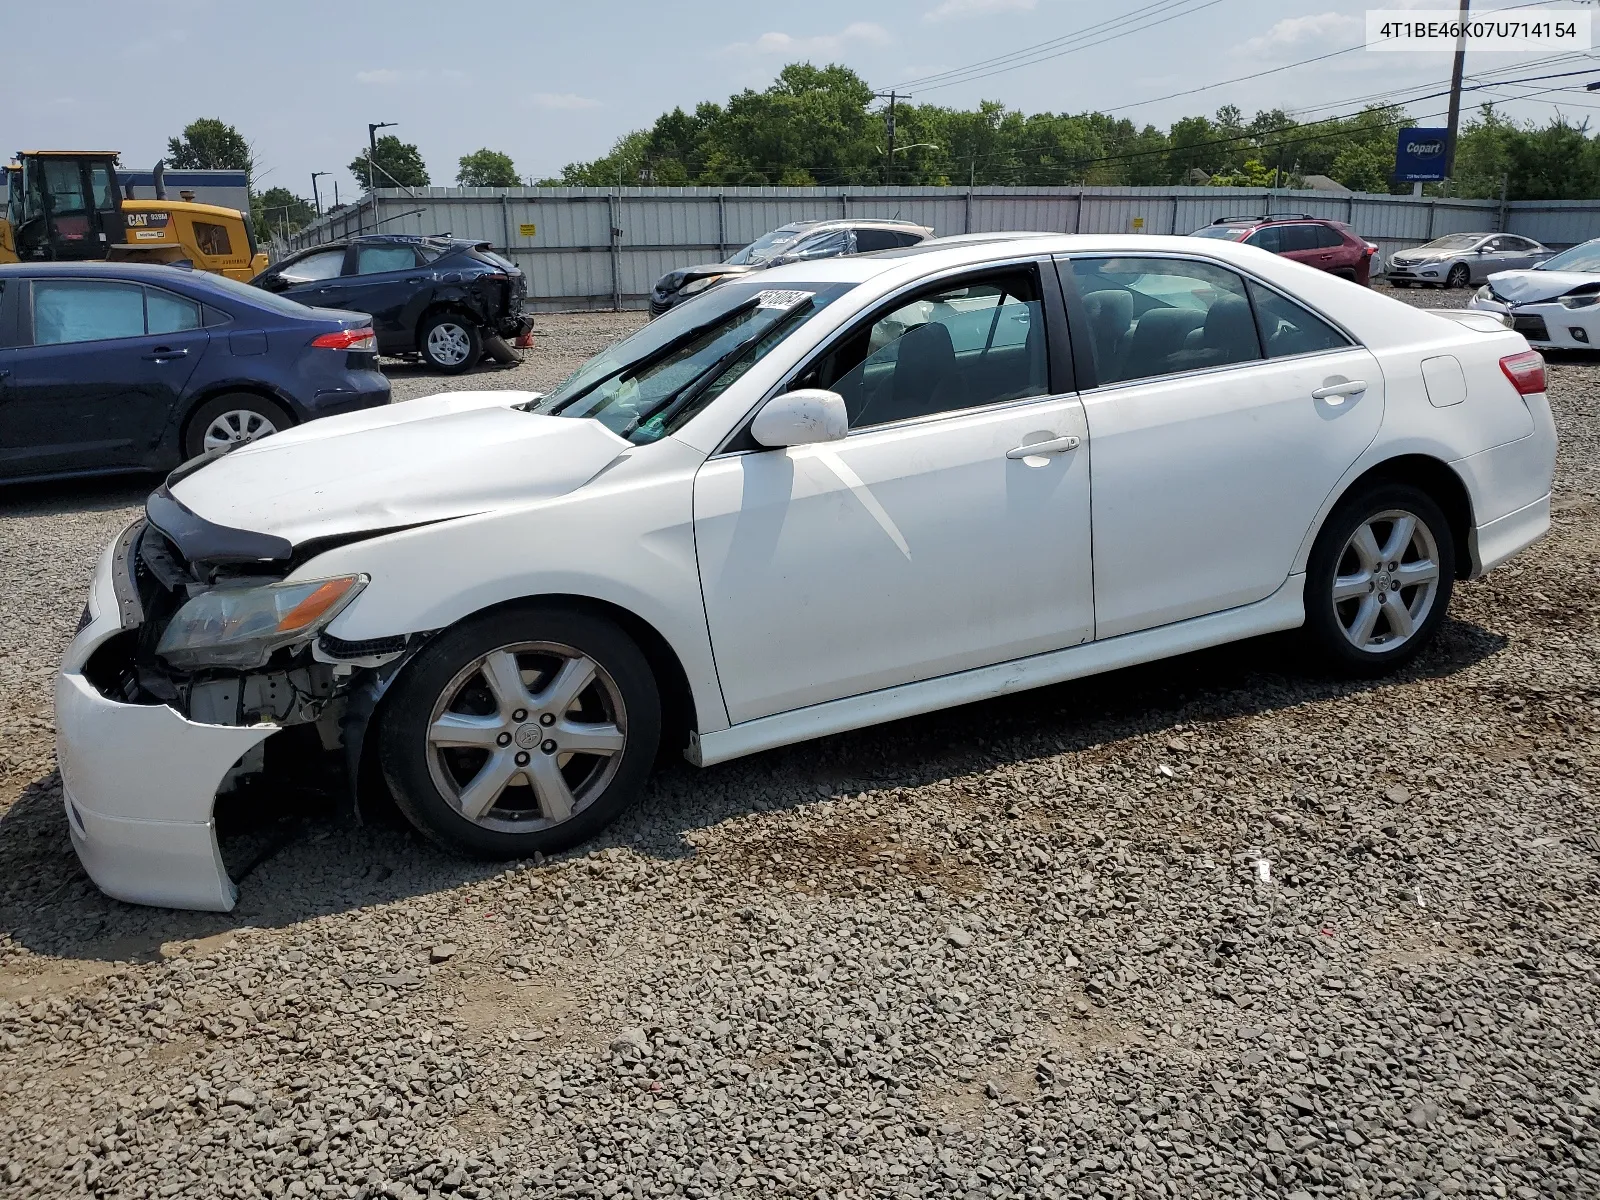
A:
x: 1026, y: 948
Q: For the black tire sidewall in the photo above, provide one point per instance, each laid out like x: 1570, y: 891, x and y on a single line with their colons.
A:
x: 194, y: 430
x: 474, y: 334
x: 1322, y: 624
x: 402, y: 721
x: 497, y: 348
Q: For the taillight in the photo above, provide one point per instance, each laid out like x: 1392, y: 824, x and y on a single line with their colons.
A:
x: 1525, y: 370
x: 348, y: 339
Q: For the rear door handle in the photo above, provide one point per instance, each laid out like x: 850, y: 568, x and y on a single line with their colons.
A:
x: 1058, y: 445
x: 1335, y: 393
x: 162, y: 354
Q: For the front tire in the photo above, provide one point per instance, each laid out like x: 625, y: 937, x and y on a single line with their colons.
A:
x: 521, y: 731
x: 450, y: 343
x: 1459, y: 276
x: 1379, y: 579
x: 232, y: 420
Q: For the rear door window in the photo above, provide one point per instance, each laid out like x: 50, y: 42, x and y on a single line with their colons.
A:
x: 1328, y: 237
x: 868, y: 240
x: 1300, y: 237
x: 375, y: 260
x: 1158, y: 316
x: 169, y: 313
x: 1288, y: 328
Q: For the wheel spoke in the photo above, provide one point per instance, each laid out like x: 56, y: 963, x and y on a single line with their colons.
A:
x: 1365, y: 544
x: 479, y: 796
x: 504, y: 676
x: 589, y: 738
x: 1349, y: 587
x: 550, y: 785
x: 1366, y: 620
x: 1424, y: 570
x: 1405, y: 527
x: 1401, y: 625
x: 559, y: 694
x: 464, y: 729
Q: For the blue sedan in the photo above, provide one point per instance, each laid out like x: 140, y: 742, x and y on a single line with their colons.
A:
x: 123, y: 367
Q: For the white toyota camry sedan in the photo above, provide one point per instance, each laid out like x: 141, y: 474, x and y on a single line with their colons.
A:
x: 845, y: 492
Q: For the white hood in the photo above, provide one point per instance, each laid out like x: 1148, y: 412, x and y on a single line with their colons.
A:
x: 1529, y: 287
x: 420, y: 460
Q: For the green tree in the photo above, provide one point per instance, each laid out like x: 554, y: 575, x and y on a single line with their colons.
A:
x: 210, y: 144
x: 277, y: 209
x: 394, y: 164
x: 487, y: 168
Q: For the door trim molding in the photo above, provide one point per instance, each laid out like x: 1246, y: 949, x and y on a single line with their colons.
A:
x: 1284, y: 609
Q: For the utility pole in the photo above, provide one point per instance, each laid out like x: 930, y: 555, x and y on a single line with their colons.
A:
x: 316, y: 198
x: 372, y: 143
x: 888, y: 162
x: 1454, y: 120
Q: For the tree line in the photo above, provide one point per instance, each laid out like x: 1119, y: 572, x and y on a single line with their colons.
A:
x: 825, y: 127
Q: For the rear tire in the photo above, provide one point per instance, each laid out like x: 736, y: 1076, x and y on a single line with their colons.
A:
x: 474, y: 737
x: 1379, y: 579
x: 232, y: 419
x: 450, y: 343
x: 1459, y: 276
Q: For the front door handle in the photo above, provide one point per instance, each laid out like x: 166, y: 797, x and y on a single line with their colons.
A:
x: 1058, y: 445
x: 1335, y: 393
x: 163, y: 353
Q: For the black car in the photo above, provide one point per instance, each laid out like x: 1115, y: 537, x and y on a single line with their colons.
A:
x: 794, y: 242
x: 445, y: 299
x: 126, y: 367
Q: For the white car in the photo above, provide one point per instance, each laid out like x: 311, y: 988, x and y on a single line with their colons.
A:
x: 842, y: 493
x: 1556, y: 304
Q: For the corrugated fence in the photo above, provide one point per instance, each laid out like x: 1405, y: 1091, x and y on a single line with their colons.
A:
x: 600, y: 248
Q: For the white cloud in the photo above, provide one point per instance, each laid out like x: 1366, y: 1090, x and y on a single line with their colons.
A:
x: 561, y: 100
x: 1304, y: 31
x: 861, y: 32
x: 957, y: 10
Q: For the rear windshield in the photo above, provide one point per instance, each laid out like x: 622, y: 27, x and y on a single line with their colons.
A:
x: 1232, y: 232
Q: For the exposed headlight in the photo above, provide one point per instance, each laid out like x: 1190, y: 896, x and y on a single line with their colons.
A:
x: 699, y: 285
x: 1588, y: 300
x: 240, y: 626
x: 1483, y: 293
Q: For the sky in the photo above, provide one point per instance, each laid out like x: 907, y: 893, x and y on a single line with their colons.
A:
x: 552, y: 83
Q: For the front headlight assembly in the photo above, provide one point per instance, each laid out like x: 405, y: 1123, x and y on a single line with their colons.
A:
x: 1587, y: 300
x: 1483, y: 293
x: 241, y: 625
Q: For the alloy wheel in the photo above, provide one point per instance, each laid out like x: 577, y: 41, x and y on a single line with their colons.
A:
x: 236, y: 427
x: 524, y: 737
x: 449, y: 344
x: 1459, y: 277
x: 1386, y: 581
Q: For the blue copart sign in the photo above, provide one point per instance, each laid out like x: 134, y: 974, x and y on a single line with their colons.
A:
x: 1419, y: 155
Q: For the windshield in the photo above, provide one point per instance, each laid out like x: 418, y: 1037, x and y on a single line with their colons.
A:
x: 1454, y: 241
x: 650, y: 384
x: 1233, y: 232
x: 260, y: 297
x: 768, y: 245
x: 1585, y: 257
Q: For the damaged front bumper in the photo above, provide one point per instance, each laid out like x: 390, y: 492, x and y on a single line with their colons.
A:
x: 144, y: 750
x: 140, y: 780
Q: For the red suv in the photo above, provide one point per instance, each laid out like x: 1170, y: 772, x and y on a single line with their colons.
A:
x: 1326, y: 245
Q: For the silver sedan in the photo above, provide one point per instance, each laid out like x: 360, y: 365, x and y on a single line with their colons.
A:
x: 1459, y: 260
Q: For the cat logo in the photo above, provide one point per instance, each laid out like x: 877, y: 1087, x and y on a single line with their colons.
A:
x: 137, y: 220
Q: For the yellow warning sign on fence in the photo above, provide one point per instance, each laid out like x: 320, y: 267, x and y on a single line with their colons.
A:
x: 528, y: 230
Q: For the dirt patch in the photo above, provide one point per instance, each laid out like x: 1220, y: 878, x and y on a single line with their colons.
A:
x: 845, y: 859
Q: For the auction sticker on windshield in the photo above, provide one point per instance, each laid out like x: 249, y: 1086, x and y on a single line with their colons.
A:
x: 781, y: 299
x: 1408, y: 29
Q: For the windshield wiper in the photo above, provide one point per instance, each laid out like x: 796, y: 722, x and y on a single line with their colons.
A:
x: 628, y: 370
x: 670, y: 404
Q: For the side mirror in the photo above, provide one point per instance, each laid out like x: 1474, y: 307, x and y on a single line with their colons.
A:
x: 801, y: 418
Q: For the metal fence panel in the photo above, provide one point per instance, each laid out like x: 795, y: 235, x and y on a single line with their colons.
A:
x: 562, y: 237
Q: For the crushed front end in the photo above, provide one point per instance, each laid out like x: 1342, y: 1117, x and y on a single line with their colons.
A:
x: 195, y: 666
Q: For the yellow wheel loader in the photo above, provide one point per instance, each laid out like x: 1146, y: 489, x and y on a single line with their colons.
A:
x: 65, y: 205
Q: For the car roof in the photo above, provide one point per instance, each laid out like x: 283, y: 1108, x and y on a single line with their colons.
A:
x: 152, y: 273
x: 829, y: 222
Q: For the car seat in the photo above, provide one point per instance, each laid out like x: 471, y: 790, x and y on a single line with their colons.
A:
x: 1110, y: 314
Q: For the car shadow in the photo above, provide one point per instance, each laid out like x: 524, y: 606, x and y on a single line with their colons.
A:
x: 310, y: 858
x: 401, y: 368
x: 95, y: 493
